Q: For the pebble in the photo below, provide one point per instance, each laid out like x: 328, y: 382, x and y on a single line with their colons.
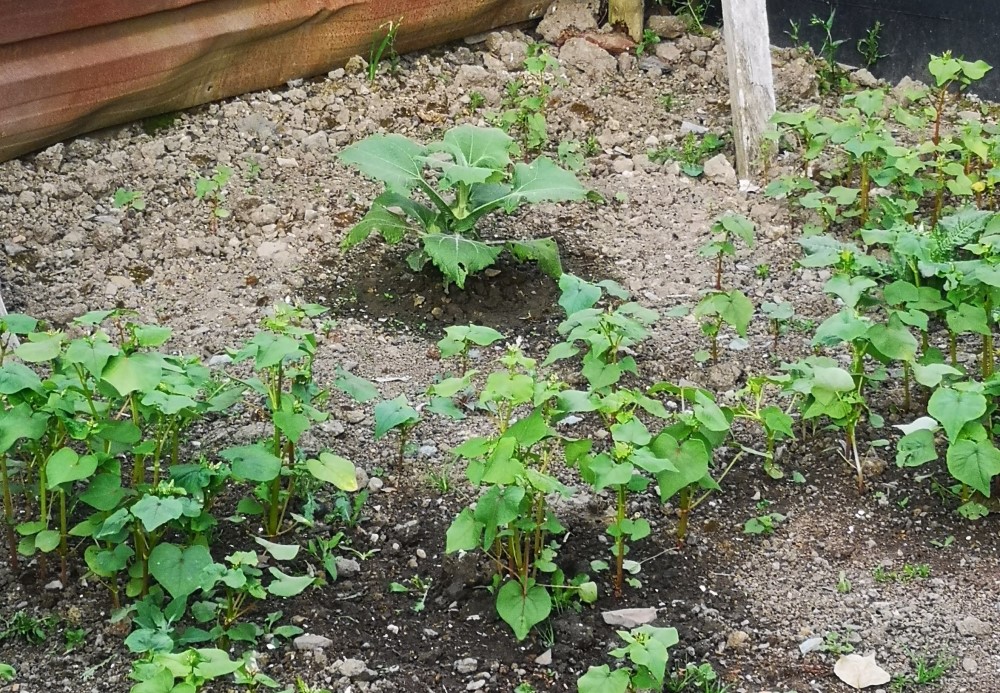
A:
x: 375, y: 484
x: 629, y: 618
x: 309, y: 641
x: 467, y: 665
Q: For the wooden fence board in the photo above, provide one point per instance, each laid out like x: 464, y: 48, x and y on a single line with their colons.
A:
x: 72, y: 67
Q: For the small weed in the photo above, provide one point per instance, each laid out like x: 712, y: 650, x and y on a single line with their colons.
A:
x: 212, y: 189
x: 908, y: 573
x: 762, y: 271
x: 692, y: 153
x: 926, y: 672
x: 695, y: 679
x: 832, y: 77
x: 416, y: 587
x: 476, y: 100
x: 7, y: 672
x: 836, y: 644
x: 868, y: 45
x: 383, y: 49
x: 74, y: 638
x: 649, y: 39
x: 29, y: 628
x: 694, y: 12
x: 943, y: 543
x: 843, y: 584
x: 667, y: 101
x: 128, y: 199
x: 763, y: 524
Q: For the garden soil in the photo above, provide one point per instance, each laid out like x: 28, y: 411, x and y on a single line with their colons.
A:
x: 743, y: 603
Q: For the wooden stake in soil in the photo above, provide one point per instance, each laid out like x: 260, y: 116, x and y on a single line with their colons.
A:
x: 630, y: 13
x: 751, y: 85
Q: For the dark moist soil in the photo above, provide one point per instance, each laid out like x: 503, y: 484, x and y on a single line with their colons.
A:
x: 743, y: 603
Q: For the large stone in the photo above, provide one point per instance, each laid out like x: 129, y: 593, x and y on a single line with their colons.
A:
x: 583, y: 58
x: 666, y: 26
x: 719, y: 170
x: 567, y: 15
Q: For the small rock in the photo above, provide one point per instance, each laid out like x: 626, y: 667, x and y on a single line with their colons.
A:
x: 623, y: 164
x: 54, y: 585
x: 544, y: 659
x: 347, y: 567
x: 311, y: 642
x: 375, y: 484
x: 667, y: 26
x: 265, y: 214
x: 27, y: 199
x: 513, y: 53
x: 737, y: 639
x: 719, y: 170
x: 689, y: 127
x: 970, y: 626
x: 970, y: 665
x: 352, y: 668
x: 629, y: 618
x: 668, y: 52
x: 316, y: 142
x: 467, y: 665
x: 268, y: 249
x: 355, y: 64
x: 860, y: 672
x: 285, y: 162
x: 475, y: 685
x: 905, y: 89
x: 472, y: 76
x: 809, y: 645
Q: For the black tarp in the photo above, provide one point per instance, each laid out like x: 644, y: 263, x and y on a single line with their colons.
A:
x: 912, y: 30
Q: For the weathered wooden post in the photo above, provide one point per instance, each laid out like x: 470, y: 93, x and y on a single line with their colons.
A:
x: 631, y: 13
x: 751, y: 85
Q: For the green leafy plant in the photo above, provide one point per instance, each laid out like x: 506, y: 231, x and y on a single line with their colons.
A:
x: 383, y: 49
x: 396, y: 415
x: 474, y: 176
x: 7, y: 672
x: 190, y: 670
x: 726, y: 229
x: 646, y: 649
x: 512, y: 522
x: 282, y: 356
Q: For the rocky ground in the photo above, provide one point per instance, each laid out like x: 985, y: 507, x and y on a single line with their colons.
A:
x: 751, y: 606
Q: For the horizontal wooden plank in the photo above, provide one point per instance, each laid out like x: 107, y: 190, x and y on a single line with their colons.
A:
x: 65, y: 83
